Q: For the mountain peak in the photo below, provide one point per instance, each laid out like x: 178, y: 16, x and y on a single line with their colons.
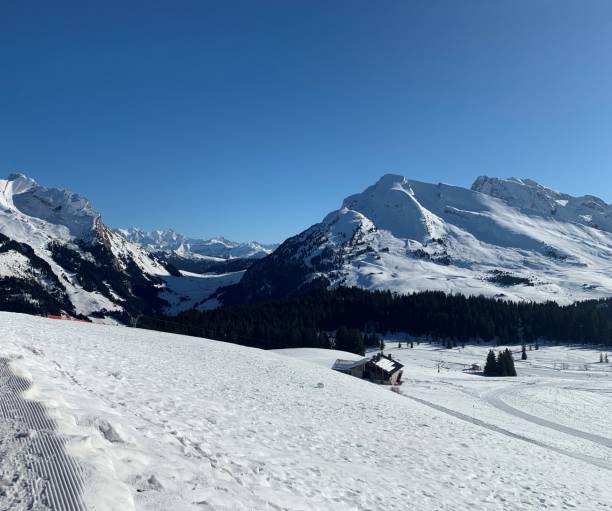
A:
x: 485, y: 184
x: 54, y: 205
x: 389, y: 180
x: 15, y: 176
x: 20, y: 183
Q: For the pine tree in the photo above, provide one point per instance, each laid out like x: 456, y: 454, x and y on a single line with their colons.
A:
x: 502, y: 368
x: 349, y: 340
x: 490, y: 368
x: 356, y: 339
x: 510, y: 369
x: 341, y: 340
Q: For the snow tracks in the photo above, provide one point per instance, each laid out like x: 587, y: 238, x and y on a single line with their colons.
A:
x: 35, y: 470
x: 491, y: 427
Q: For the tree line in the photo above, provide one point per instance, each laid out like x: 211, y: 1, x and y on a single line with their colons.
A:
x: 312, y: 319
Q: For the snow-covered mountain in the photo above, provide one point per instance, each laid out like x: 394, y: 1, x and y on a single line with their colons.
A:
x: 57, y: 256
x: 507, y: 238
x: 171, y: 241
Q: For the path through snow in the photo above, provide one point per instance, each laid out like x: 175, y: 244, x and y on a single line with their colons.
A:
x: 35, y: 470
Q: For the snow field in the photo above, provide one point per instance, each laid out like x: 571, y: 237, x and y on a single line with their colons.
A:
x: 567, y: 410
x: 167, y: 422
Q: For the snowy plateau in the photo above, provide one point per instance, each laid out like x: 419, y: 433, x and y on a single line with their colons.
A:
x: 144, y: 420
x: 507, y: 238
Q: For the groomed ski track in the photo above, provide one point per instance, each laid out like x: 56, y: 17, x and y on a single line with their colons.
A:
x: 37, y: 472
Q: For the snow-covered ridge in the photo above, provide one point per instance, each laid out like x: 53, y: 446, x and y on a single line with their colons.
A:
x: 54, y: 205
x: 219, y: 247
x: 406, y: 235
x: 65, y: 252
x: 533, y: 198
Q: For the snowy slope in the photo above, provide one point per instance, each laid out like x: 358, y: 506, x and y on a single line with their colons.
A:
x: 195, y: 290
x: 171, y: 241
x: 165, y: 422
x: 505, y: 238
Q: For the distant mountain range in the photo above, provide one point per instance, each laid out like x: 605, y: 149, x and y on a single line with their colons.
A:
x: 507, y: 238
x: 57, y: 256
x: 171, y: 241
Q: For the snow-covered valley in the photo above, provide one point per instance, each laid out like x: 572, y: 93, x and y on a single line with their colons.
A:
x: 165, y: 422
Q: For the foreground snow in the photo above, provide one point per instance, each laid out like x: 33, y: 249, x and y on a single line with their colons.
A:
x: 166, y: 422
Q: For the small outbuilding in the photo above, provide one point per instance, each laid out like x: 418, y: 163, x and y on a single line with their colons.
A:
x: 352, y: 367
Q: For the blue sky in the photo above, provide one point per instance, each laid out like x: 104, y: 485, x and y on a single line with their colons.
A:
x: 254, y: 119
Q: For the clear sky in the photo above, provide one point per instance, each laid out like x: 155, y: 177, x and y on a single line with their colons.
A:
x: 254, y: 119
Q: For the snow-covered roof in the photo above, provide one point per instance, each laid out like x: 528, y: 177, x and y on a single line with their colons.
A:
x: 386, y: 364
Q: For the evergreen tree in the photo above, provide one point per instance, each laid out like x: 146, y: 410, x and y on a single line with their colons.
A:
x: 509, y: 363
x: 431, y: 315
x: 349, y: 340
x: 502, y: 368
x: 324, y: 341
x: 490, y: 368
x: 357, y: 344
x: 341, y: 341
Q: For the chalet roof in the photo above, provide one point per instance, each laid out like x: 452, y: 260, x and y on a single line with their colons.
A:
x: 386, y: 363
x: 346, y: 365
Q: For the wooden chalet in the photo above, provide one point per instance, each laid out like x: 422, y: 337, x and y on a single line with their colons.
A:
x: 379, y: 369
